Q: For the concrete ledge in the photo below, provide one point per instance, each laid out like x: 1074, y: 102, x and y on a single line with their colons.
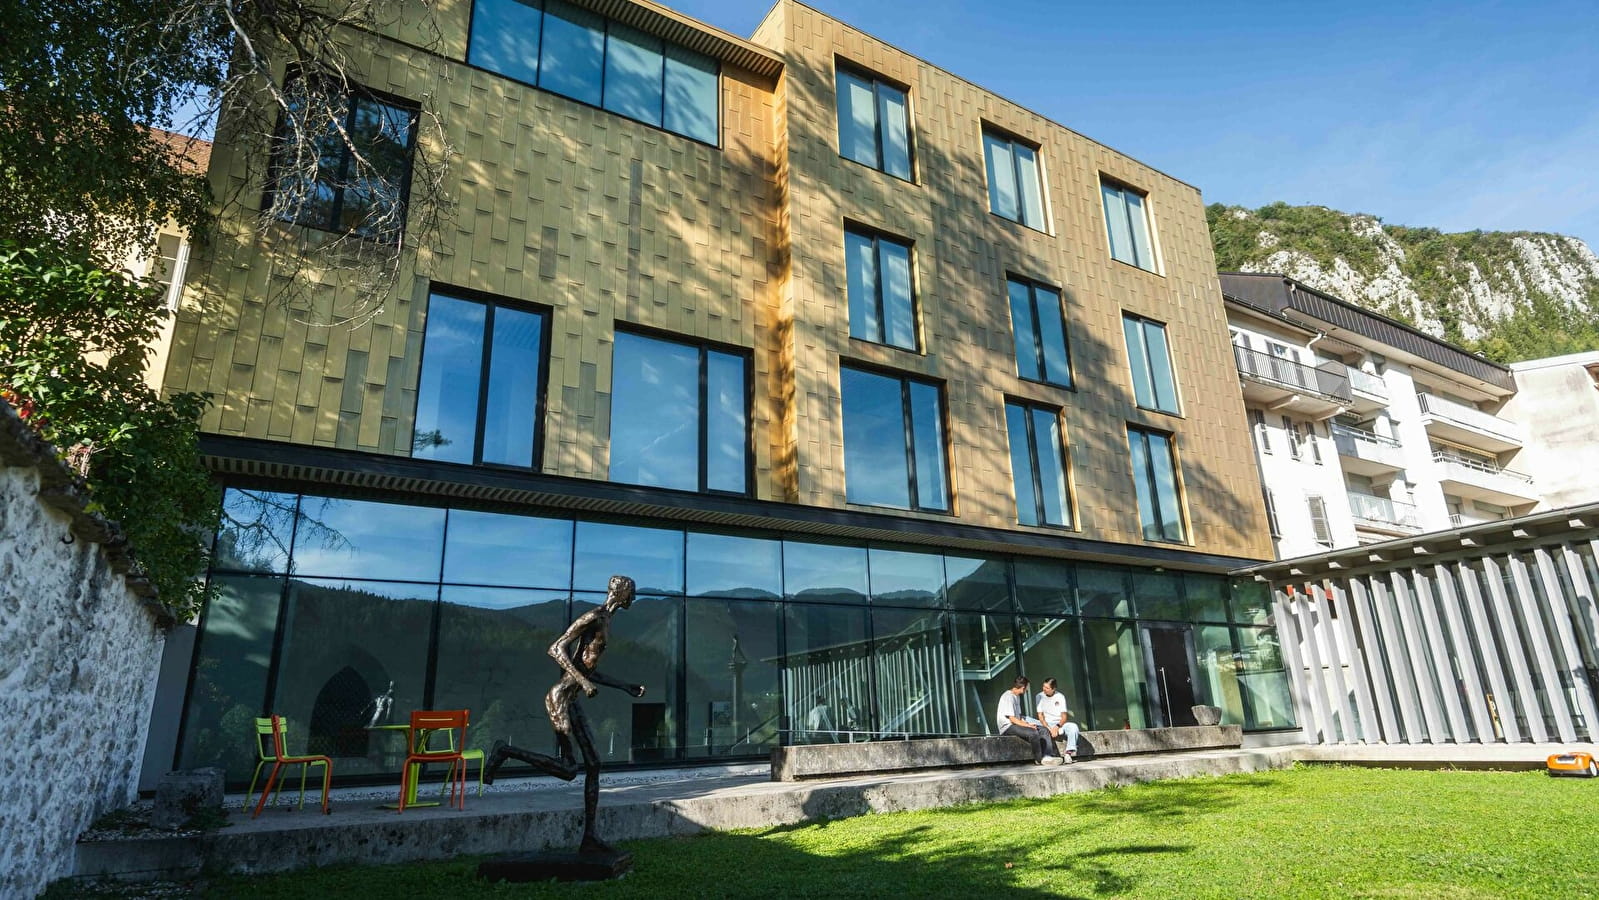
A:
x: 1125, y: 742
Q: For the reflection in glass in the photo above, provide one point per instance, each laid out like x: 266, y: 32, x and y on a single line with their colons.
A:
x: 1052, y: 651
x: 652, y: 557
x: 492, y: 661
x: 978, y: 583
x: 352, y: 651
x: 517, y: 551
x: 1206, y: 596
x: 1251, y: 602
x: 1029, y: 182
x: 367, y: 539
x: 875, y: 464
x: 826, y: 673
x: 255, y: 531
x: 927, y: 437
x: 573, y: 52
x: 691, y: 96
x: 1044, y: 585
x: 986, y: 648
x: 1216, y: 681
x: 894, y: 120
x: 510, y: 416
x: 906, y: 578
x: 1001, y: 163
x: 1263, y: 681
x: 857, y: 120
x: 913, y: 654
x: 1024, y: 329
x: 881, y: 298
x: 633, y: 73
x: 1158, y: 595
x: 655, y: 413
x: 645, y: 648
x: 1155, y: 477
x: 1102, y: 591
x: 233, y: 653
x: 505, y: 38
x: 721, y: 565
x: 726, y: 428
x: 452, y: 370
x: 733, y: 676
x: 1115, y: 673
x: 1147, y: 353
x: 824, y: 573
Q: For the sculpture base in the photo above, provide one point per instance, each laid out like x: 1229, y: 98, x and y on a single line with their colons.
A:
x: 557, y: 865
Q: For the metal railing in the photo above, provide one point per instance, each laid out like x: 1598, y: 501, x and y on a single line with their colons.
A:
x: 1470, y: 417
x: 1382, y: 511
x: 1366, y: 437
x: 1368, y: 384
x: 1488, y: 468
x: 1330, y: 379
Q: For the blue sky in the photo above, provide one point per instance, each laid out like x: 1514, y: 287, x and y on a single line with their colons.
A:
x: 1459, y: 115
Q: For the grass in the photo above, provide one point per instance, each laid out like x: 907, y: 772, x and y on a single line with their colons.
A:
x: 1306, y: 832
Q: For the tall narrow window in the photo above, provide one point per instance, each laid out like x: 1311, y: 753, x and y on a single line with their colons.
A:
x: 679, y: 416
x: 1291, y: 429
x: 1038, y: 465
x: 1150, y: 357
x: 1038, y: 324
x: 893, y: 441
x: 873, y: 124
x: 478, y: 399
x: 1272, y: 525
x: 1318, y: 520
x: 1257, y: 423
x: 1155, y: 479
x: 1128, y: 224
x: 1015, y: 180
x: 882, y: 303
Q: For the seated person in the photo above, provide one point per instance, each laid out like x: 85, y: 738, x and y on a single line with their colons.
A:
x: 1051, y: 705
x: 1011, y: 721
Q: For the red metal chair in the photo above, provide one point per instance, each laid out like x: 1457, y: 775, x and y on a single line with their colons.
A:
x: 305, y: 762
x: 424, y: 724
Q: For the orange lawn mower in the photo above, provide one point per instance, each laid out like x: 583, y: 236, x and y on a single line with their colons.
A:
x: 1575, y: 764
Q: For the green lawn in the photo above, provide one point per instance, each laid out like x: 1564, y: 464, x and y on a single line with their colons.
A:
x: 1307, y: 832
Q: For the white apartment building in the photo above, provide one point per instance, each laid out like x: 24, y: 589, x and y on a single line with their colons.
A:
x: 1557, y: 403
x: 1365, y: 428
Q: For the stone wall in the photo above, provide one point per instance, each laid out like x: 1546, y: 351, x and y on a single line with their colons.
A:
x: 80, y: 643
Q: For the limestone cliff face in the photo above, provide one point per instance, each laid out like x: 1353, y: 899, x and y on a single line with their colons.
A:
x: 1512, y: 295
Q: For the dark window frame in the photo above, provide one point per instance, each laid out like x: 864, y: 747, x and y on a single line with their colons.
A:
x: 877, y: 236
x: 907, y: 418
x: 353, y: 94
x: 1029, y: 407
x: 840, y: 64
x: 1033, y: 286
x: 1011, y: 137
x: 704, y: 347
x: 605, y: 42
x: 1143, y: 340
x: 1149, y: 231
x: 1154, y: 484
x: 494, y: 302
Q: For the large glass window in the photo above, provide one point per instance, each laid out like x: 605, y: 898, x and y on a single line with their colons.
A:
x: 1051, y: 649
x: 1038, y: 465
x: 1038, y: 324
x: 893, y: 441
x: 733, y: 678
x: 1150, y: 358
x: 1128, y: 225
x: 824, y: 573
x: 234, y: 655
x: 882, y: 300
x: 645, y: 647
x: 827, y: 673
x: 652, y: 557
x: 726, y: 566
x: 1115, y: 673
x: 906, y: 578
x: 369, y: 200
x: 515, y: 551
x: 478, y: 399
x: 679, y: 416
x: 1263, y: 681
x: 986, y: 660
x: 1155, y: 477
x: 873, y: 124
x: 580, y: 54
x: 912, y: 652
x: 1015, y: 180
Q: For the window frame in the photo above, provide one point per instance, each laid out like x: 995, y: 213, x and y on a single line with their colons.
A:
x: 1257, y: 423
x: 907, y: 418
x: 1028, y: 408
x: 1123, y: 188
x: 705, y: 348
x: 480, y: 419
x: 1154, y: 484
x: 990, y: 130
x: 1144, y: 323
x: 1041, y: 357
x: 845, y: 66
x: 877, y: 236
x: 353, y: 93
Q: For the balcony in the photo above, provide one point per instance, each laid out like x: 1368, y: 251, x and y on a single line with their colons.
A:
x: 1367, y: 453
x: 1374, y: 513
x: 1468, y: 426
x: 1369, y: 393
x: 1279, y: 383
x: 1478, y: 479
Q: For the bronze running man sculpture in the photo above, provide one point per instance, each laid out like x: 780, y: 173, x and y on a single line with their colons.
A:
x: 577, y: 652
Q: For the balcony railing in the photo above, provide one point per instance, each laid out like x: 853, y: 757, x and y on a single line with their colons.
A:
x: 1469, y: 417
x: 1365, y: 437
x: 1368, y: 384
x: 1382, y: 511
x: 1331, y: 379
x: 1357, y: 443
x: 1487, y: 468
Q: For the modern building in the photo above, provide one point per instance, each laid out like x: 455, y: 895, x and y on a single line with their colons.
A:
x: 882, y: 388
x: 168, y: 261
x: 1557, y: 403
x: 1367, y: 429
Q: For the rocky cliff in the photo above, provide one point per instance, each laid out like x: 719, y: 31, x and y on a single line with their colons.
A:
x: 1510, y: 295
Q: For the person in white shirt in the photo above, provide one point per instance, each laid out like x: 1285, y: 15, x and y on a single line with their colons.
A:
x: 1051, y: 705
x: 1010, y: 720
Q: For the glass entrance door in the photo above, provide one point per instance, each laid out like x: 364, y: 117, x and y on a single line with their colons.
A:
x: 1169, y: 662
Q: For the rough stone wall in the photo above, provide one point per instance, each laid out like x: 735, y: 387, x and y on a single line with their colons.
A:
x: 79, y: 652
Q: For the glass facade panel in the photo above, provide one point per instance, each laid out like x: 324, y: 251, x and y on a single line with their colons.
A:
x: 655, y: 413
x: 827, y: 677
x: 1052, y: 649
x: 725, y: 566
x: 1262, y: 680
x: 906, y: 578
x: 857, y: 120
x: 1138, y: 223
x: 1055, y: 507
x: 355, y: 654
x: 877, y: 462
x: 911, y: 653
x: 634, y: 79
x: 645, y: 646
x: 860, y: 263
x: 825, y: 573
x: 1128, y: 226
x: 1040, y: 333
x: 1206, y: 595
x: 1116, y: 674
x: 899, y: 304
x: 511, y: 405
x: 572, y: 60
x: 233, y: 656
x: 368, y: 539
x: 734, y: 682
x: 1003, y: 199
x: 978, y: 583
x: 514, y: 551
x: 986, y: 648
x: 452, y: 373
x: 927, y: 427
x: 652, y: 557
x: 692, y: 107
x: 726, y: 424
x: 1029, y: 182
x: 505, y: 38
x: 893, y: 116
x: 255, y: 532
x: 1102, y: 591
x: 882, y: 302
x: 1044, y: 585
x: 1155, y: 476
x: 1150, y: 358
x: 1021, y: 464
x: 1158, y: 596
x: 1250, y: 602
x: 1024, y: 330
x: 1216, y: 681
x: 1052, y: 336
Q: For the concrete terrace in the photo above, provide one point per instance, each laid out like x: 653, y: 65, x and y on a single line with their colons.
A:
x: 530, y: 814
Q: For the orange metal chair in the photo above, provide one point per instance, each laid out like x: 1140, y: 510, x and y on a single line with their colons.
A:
x: 282, y: 758
x: 424, y: 724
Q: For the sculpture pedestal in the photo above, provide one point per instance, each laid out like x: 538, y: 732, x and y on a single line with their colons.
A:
x: 557, y: 865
